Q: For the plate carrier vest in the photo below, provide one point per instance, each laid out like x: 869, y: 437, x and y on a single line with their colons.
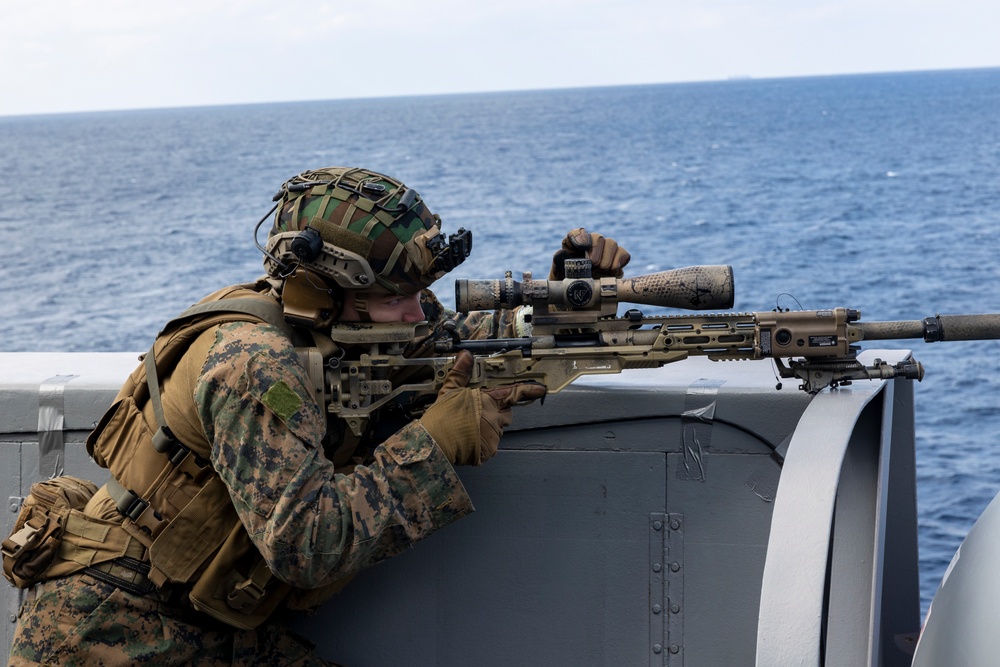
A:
x: 185, y: 517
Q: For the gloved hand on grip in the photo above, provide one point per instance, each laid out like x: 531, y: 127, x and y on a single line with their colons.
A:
x: 607, y: 256
x: 467, y: 423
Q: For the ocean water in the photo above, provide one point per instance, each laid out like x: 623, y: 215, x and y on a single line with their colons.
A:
x: 876, y: 192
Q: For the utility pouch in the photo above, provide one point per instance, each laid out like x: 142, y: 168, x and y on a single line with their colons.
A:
x: 237, y: 587
x: 34, y: 543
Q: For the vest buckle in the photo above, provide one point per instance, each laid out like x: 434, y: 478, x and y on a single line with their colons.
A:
x: 245, y: 596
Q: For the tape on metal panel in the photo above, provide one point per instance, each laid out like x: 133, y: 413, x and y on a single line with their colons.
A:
x: 764, y: 481
x: 697, y: 420
x: 51, y: 425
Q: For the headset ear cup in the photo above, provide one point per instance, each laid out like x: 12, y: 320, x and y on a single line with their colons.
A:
x: 309, y: 301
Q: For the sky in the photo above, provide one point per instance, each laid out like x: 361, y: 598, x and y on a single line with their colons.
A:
x: 86, y: 55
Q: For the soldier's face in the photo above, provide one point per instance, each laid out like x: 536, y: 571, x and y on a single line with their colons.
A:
x: 384, y: 308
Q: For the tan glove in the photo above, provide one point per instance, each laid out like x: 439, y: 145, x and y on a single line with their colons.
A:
x: 607, y: 256
x: 467, y: 423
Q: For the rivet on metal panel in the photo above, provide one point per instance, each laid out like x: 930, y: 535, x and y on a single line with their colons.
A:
x: 12, y: 618
x: 658, y: 636
x: 674, y: 539
x: 14, y: 502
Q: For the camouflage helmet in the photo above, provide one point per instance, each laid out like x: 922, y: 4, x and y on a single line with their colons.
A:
x: 361, y: 229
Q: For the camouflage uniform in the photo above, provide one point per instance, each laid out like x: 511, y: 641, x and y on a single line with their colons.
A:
x: 314, y: 527
x: 77, y: 621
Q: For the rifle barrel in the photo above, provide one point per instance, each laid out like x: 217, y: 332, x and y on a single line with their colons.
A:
x: 937, y: 328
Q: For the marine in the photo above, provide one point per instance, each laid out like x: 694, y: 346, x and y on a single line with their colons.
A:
x: 233, y: 495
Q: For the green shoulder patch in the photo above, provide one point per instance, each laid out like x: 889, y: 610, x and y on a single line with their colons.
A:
x: 282, y: 401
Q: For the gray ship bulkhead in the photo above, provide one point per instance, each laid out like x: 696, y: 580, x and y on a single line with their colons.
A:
x: 689, y: 515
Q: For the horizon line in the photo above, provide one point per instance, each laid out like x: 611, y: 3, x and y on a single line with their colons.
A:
x: 741, y: 78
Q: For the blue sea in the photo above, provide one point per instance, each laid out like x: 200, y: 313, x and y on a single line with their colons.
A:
x: 875, y: 192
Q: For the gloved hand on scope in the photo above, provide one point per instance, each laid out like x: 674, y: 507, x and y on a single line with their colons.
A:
x: 467, y: 423
x: 607, y: 256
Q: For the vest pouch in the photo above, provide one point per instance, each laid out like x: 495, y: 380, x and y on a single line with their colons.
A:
x: 32, y: 546
x: 111, y: 443
x: 237, y: 587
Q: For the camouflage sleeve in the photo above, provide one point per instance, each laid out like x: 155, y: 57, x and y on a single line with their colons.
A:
x: 312, y: 526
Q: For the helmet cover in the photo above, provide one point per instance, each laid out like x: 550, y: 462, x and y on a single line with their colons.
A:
x: 359, y: 228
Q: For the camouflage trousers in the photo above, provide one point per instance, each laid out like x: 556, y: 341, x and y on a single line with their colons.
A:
x: 79, y: 621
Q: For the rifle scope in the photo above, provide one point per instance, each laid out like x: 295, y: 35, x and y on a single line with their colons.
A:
x: 708, y: 287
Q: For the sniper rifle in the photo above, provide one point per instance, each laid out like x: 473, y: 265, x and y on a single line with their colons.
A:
x: 575, y: 331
